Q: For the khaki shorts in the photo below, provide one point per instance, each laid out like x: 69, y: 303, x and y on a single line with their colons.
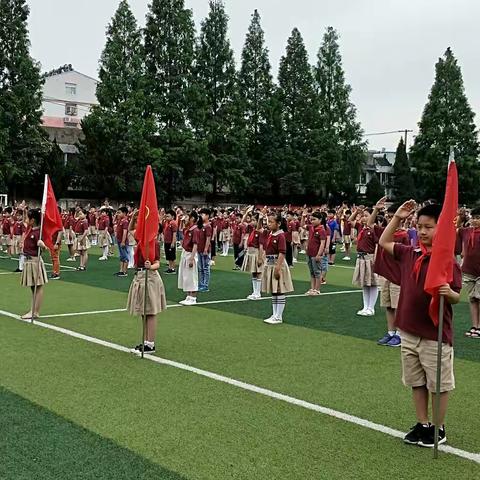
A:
x: 419, y: 363
x: 472, y: 286
x: 390, y: 293
x: 347, y: 239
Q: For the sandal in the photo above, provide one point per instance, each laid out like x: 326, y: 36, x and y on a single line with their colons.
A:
x: 471, y: 332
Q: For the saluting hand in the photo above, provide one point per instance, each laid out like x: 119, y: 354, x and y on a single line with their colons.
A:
x: 406, y: 209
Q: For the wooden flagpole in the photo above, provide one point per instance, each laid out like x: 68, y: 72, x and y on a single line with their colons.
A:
x: 145, y: 296
x: 436, y: 418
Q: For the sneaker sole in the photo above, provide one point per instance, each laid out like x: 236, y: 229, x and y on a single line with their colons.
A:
x: 428, y: 445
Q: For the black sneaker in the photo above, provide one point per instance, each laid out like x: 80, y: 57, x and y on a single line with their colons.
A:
x: 170, y: 271
x: 17, y: 270
x: 121, y: 274
x: 417, y: 432
x: 146, y: 349
x: 54, y: 276
x: 428, y: 439
x: 81, y: 269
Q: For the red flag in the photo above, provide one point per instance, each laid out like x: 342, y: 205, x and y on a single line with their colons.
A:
x: 147, y: 224
x: 52, y: 220
x: 440, y: 268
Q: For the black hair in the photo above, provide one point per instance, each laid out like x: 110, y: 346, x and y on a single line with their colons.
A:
x: 392, y: 208
x: 317, y: 215
x: 432, y: 210
x: 348, y: 212
x: 332, y: 211
x: 198, y: 219
x: 123, y: 210
x: 475, y: 212
x: 205, y: 211
x: 35, y: 214
x: 171, y: 212
x: 72, y: 210
x: 324, y: 219
x: 290, y: 212
x: 280, y: 221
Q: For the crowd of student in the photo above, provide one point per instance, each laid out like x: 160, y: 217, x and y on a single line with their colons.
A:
x: 391, y: 243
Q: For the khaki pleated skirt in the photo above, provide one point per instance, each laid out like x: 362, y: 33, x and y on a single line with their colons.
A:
x: 364, y: 276
x: 296, y: 238
x: 34, y: 273
x: 131, y: 239
x: 224, y: 235
x: 188, y: 277
x: 69, y: 236
x: 156, y: 299
x: 303, y: 234
x: 271, y: 285
x: 250, y: 261
x: 81, y: 245
x: 17, y: 244
x: 104, y: 238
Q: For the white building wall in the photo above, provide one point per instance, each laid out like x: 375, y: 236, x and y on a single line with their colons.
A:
x: 68, y: 88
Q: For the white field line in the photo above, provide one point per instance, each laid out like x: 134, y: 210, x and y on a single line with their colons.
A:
x: 174, y: 305
x: 48, y: 271
x: 475, y: 457
x: 15, y: 259
x: 330, y: 266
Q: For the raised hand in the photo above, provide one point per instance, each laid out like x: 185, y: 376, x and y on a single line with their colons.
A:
x: 406, y: 209
x: 380, y: 205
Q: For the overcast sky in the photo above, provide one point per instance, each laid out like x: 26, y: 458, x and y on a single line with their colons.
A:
x: 389, y: 47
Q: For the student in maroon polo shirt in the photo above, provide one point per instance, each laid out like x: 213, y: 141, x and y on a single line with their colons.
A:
x: 122, y: 240
x: 418, y: 333
x: 470, y: 248
x: 238, y: 232
x: 188, y: 266
x: 204, y: 244
x: 170, y: 228
x: 82, y: 243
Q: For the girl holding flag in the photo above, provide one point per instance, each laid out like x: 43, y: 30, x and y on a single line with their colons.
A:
x: 146, y: 297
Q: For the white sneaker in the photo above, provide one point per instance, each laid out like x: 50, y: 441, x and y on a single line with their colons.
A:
x: 346, y: 258
x: 273, y: 320
x: 212, y: 262
x: 295, y: 260
x: 369, y: 312
x: 102, y: 258
x: 189, y: 301
x: 362, y: 312
x: 252, y: 296
x: 186, y: 301
x: 71, y: 259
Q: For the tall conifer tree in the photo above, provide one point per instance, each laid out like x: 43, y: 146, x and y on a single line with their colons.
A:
x: 403, y: 183
x: 117, y: 135
x: 222, y: 126
x: 23, y: 143
x: 447, y: 121
x: 341, y: 147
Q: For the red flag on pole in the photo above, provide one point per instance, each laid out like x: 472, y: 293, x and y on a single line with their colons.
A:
x: 440, y: 268
x: 52, y: 220
x: 147, y: 223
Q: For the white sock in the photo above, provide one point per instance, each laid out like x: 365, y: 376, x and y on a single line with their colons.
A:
x: 21, y: 261
x: 254, y: 286
x: 372, y: 300
x: 391, y: 332
x: 105, y: 251
x: 366, y: 297
x: 281, y: 300
x: 257, y: 286
x: 149, y: 344
x: 274, y: 306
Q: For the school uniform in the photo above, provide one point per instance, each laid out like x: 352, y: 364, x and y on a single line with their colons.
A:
x: 92, y: 224
x: 204, y: 258
x: 417, y: 331
x: 34, y: 272
x: 68, y: 226
x: 238, y: 231
x: 122, y: 226
x: 80, y: 228
x: 104, y: 238
x: 276, y: 244
x: 18, y: 232
x: 225, y: 235
x: 6, y: 238
x: 471, y: 261
x: 156, y: 299
x: 252, y: 256
x: 316, y: 236
x: 364, y: 275
x: 347, y: 231
x: 169, y: 235
x: 188, y: 277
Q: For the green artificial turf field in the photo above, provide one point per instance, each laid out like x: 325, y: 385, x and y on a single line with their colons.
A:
x: 72, y: 409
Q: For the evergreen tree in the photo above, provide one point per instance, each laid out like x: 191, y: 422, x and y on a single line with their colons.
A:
x: 23, y: 143
x: 403, y: 183
x: 171, y: 93
x: 256, y: 90
x: 297, y: 96
x: 116, y: 148
x: 375, y: 190
x: 222, y: 125
x: 447, y: 121
x: 342, y: 149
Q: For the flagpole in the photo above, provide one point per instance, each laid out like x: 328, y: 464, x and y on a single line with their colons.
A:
x: 436, y: 418
x: 145, y: 296
x: 39, y: 251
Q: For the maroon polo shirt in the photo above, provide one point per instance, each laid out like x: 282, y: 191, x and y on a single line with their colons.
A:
x: 276, y: 244
x: 190, y: 238
x: 471, y: 251
x: 203, y: 234
x: 315, y: 237
x: 412, y: 312
x: 30, y: 247
x: 169, y: 231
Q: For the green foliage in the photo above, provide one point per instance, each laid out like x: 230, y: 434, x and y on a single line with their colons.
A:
x: 23, y: 143
x: 375, y: 190
x: 341, y: 149
x: 222, y: 126
x: 447, y: 121
x: 403, y: 182
x: 299, y: 115
x: 172, y: 96
x: 117, y: 147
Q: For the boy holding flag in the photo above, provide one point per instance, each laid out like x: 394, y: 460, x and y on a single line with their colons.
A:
x: 430, y: 279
